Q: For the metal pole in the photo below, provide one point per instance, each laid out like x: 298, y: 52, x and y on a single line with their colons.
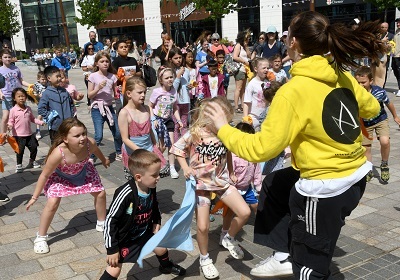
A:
x: 64, y: 23
x: 312, y: 5
x: 168, y: 28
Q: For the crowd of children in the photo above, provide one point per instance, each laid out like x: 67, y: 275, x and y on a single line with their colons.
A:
x: 148, y: 138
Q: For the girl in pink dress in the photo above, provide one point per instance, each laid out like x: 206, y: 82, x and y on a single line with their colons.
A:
x: 134, y: 124
x: 68, y: 172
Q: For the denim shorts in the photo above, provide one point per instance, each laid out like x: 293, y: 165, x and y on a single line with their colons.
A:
x: 6, y: 104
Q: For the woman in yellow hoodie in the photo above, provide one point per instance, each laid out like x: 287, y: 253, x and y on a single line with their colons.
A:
x: 317, y: 113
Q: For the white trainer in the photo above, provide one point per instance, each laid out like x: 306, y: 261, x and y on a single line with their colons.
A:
x: 398, y: 93
x: 270, y: 267
x: 233, y: 248
x: 173, y: 173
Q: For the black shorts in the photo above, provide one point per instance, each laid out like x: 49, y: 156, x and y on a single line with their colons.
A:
x: 169, y: 123
x: 130, y: 251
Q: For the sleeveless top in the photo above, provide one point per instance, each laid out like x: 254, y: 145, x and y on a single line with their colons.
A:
x: 76, y: 172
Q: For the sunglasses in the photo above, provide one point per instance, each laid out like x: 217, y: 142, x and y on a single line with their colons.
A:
x: 261, y: 38
x: 215, y: 39
x: 90, y: 48
x: 6, y: 47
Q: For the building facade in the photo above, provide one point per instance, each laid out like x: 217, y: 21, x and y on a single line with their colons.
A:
x: 145, y: 20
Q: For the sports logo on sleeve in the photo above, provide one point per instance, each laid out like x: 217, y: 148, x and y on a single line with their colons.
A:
x: 340, y: 116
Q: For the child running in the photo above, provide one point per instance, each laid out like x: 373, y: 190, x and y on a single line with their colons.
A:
x: 134, y: 123
x: 210, y: 164
x: 13, y: 79
x: 134, y: 217
x: 379, y: 124
x: 163, y: 104
x: 19, y: 123
x: 254, y: 103
x: 101, y: 92
x: 68, y: 172
x: 38, y: 88
x: 180, y: 84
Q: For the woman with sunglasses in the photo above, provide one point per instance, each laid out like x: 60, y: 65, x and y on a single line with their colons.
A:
x: 216, y: 45
x: 258, y: 46
x: 88, y: 64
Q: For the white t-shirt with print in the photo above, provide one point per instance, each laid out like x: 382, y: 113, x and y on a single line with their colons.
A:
x: 280, y: 76
x: 213, y: 82
x: 254, y: 95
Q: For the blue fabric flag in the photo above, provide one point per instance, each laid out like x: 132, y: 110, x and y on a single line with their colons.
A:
x: 176, y: 231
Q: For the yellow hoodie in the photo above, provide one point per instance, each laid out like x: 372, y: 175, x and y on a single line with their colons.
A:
x: 317, y: 113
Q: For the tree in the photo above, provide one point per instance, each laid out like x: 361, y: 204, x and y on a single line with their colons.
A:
x: 383, y: 5
x: 93, y: 12
x: 218, y: 8
x: 9, y: 23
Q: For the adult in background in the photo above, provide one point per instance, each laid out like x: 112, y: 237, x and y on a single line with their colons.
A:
x: 166, y: 46
x: 98, y: 46
x: 305, y: 221
x: 396, y: 55
x: 379, y: 67
x: 87, y: 64
x: 242, y: 55
x: 157, y: 52
x: 272, y: 45
x: 286, y: 61
x: 216, y: 45
x: 259, y: 45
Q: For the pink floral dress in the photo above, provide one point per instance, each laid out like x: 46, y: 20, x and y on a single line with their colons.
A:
x: 72, y: 179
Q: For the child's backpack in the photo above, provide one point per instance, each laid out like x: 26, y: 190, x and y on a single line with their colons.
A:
x: 149, y: 75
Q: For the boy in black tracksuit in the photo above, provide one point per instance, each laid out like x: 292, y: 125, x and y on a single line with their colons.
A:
x: 133, y: 217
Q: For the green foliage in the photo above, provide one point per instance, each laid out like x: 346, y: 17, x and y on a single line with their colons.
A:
x: 9, y: 24
x: 384, y: 4
x: 218, y: 8
x: 93, y: 12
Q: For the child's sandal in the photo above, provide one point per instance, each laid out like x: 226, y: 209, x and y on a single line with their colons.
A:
x: 208, y: 269
x: 40, y: 245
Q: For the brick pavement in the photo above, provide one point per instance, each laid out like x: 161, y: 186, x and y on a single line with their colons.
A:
x: 368, y: 247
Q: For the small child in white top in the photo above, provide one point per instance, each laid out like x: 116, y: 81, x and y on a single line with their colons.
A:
x: 254, y: 103
x: 276, y: 67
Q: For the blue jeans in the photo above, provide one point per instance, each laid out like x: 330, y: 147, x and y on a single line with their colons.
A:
x: 98, y: 122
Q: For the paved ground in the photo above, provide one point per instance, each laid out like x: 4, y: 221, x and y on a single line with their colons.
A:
x: 369, y: 247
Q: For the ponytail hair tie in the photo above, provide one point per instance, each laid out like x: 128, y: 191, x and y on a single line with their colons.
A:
x: 266, y: 85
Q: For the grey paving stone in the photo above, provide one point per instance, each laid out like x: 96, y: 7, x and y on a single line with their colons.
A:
x: 22, y: 269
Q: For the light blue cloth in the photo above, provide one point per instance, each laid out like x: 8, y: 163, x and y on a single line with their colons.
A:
x: 50, y: 118
x: 143, y: 142
x: 176, y: 231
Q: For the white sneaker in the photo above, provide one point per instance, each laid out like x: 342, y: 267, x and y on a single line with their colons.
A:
x: 33, y: 164
x: 38, y: 135
x: 100, y: 226
x: 40, y: 245
x: 398, y: 93
x: 233, y: 247
x: 221, y: 237
x: 173, y: 173
x: 270, y: 267
x: 18, y: 168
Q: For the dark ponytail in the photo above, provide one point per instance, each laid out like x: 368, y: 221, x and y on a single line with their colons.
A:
x: 316, y: 36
